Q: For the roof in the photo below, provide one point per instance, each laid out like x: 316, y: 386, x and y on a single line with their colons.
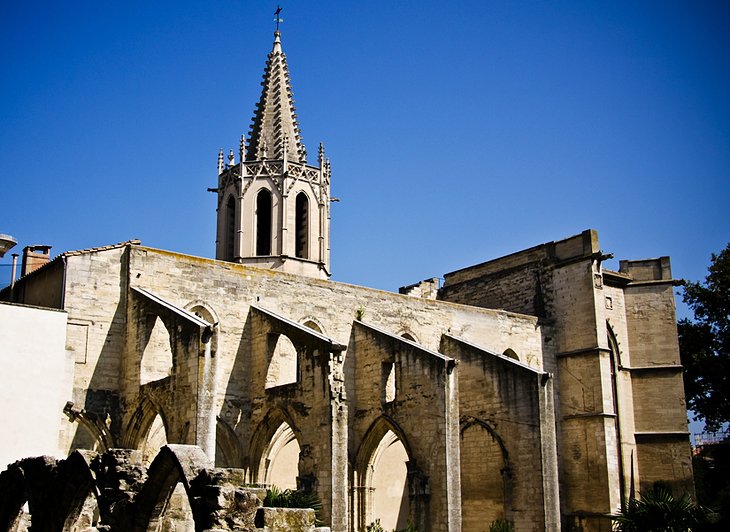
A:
x: 79, y: 252
x: 274, y: 127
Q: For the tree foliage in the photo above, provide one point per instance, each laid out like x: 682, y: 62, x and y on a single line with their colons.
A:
x: 704, y: 343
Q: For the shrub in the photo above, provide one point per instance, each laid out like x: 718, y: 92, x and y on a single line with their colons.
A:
x: 502, y: 525
x: 375, y: 527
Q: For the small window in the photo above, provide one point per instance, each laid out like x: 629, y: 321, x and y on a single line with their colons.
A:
x: 283, y: 365
x: 388, y: 382
x: 312, y: 325
x: 263, y: 223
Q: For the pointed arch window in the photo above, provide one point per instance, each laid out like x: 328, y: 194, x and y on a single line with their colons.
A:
x: 263, y: 223
x: 230, y: 229
x: 302, y: 226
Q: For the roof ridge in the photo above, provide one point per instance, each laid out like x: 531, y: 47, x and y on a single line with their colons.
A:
x: 71, y: 253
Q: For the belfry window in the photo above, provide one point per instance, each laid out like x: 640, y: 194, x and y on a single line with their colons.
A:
x: 263, y: 223
x: 301, y: 245
x: 230, y: 229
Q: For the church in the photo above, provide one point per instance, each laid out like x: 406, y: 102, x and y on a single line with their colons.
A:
x: 539, y: 388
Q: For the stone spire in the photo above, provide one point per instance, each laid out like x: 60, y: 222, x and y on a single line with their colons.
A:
x: 274, y: 119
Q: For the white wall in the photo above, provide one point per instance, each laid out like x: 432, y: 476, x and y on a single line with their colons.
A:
x: 35, y: 381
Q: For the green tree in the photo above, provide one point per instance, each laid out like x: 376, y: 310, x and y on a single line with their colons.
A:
x: 704, y: 344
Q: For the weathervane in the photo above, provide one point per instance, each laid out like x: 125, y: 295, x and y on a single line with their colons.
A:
x: 277, y: 18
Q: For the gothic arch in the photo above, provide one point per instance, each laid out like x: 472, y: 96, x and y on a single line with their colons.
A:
x: 275, y: 432
x: 168, y: 487
x: 409, y: 335
x: 156, y: 360
x: 486, y: 475
x: 229, y: 229
x: 228, y: 452
x: 302, y: 224
x: 613, y: 344
x: 614, y: 355
x: 264, y: 222
x: 31, y: 499
x: 205, y: 312
x: 92, y: 433
x: 510, y: 353
x: 283, y: 362
x: 79, y: 493
x: 141, y: 423
x: 314, y: 324
x: 383, y: 442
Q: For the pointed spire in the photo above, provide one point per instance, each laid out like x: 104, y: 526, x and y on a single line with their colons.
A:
x: 220, y: 161
x: 274, y: 118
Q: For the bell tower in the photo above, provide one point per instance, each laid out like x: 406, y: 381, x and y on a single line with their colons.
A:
x: 273, y: 207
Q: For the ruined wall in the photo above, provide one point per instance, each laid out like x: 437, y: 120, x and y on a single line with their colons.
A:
x: 230, y: 289
x: 591, y: 375
x: 508, y: 441
x: 180, y: 490
x: 425, y: 382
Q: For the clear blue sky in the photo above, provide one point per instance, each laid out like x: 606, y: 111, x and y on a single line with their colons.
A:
x: 458, y: 131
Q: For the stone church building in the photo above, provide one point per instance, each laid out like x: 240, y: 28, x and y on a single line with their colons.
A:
x: 539, y: 387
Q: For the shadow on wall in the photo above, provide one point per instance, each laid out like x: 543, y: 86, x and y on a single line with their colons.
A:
x: 101, y: 405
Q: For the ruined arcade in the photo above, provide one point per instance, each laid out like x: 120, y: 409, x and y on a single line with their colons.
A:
x: 540, y: 387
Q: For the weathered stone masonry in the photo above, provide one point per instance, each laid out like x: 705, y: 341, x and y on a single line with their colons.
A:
x: 539, y: 387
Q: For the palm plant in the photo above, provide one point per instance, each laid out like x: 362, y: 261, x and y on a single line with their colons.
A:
x: 659, y: 511
x: 276, y: 498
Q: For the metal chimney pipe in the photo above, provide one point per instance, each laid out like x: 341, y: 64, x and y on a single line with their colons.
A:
x: 13, y: 271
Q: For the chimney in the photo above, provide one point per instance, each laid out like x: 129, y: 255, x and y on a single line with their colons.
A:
x: 34, y: 257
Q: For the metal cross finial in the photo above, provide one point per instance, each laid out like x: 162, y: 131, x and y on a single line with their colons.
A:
x: 277, y: 18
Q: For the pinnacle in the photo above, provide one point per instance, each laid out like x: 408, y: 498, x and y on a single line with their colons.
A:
x: 274, y: 119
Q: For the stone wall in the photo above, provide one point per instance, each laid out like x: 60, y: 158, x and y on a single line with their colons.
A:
x: 508, y: 441
x: 256, y: 359
x: 663, y: 448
